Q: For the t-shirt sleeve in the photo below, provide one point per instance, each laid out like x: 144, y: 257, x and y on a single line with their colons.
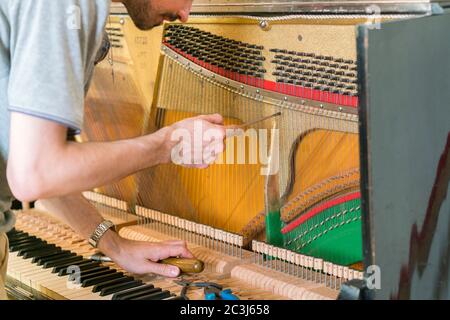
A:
x: 53, y: 45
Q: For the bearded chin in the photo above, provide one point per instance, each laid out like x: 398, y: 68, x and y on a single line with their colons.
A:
x: 139, y: 12
x: 172, y: 17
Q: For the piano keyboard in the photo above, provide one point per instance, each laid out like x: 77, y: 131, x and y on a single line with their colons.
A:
x: 42, y: 250
x: 46, y: 267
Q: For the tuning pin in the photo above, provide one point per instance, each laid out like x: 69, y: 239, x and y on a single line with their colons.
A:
x: 340, y: 275
x: 254, y: 250
x: 318, y: 268
x: 335, y: 273
x: 297, y: 265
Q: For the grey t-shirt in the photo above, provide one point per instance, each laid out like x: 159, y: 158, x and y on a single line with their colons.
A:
x: 47, y: 55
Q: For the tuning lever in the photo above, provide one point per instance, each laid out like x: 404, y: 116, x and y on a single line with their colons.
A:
x: 186, y: 265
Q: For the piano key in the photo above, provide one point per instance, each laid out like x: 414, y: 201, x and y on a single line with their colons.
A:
x: 19, y: 236
x: 91, y: 270
x: 21, y: 240
x: 155, y: 296
x: 143, y: 288
x: 28, y: 245
x: 99, y: 287
x: 137, y: 294
x: 96, y: 274
x: 120, y: 287
x: 82, y: 265
x: 55, y: 263
x: 37, y: 254
x: 102, y: 279
x: 23, y: 251
x: 61, y: 255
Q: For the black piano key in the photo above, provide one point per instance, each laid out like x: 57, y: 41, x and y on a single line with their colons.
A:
x: 91, y: 270
x: 14, y: 236
x: 101, y: 279
x: 100, y: 286
x: 21, y: 240
x: 144, y: 288
x: 35, y: 255
x: 28, y: 246
x: 14, y: 244
x: 106, y: 291
x: 96, y: 274
x: 137, y: 294
x: 83, y: 265
x: 17, y: 246
x: 26, y: 240
x: 34, y: 248
x: 18, y: 234
x: 55, y: 263
x: 155, y: 296
x: 61, y: 255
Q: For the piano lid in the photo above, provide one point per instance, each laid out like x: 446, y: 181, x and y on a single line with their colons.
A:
x: 308, y: 6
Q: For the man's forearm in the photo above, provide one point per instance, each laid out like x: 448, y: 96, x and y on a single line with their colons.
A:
x: 83, y: 218
x: 89, y: 165
x: 64, y: 168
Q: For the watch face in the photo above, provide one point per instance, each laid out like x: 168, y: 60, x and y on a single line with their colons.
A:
x: 99, y: 232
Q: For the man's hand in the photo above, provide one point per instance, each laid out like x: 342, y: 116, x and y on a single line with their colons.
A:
x: 133, y: 256
x: 142, y: 257
x: 194, y: 142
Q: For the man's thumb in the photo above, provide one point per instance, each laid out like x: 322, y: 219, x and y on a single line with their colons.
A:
x: 165, y: 270
x: 213, y: 118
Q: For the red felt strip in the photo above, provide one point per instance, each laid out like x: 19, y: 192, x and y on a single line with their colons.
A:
x: 287, y: 89
x: 315, y: 211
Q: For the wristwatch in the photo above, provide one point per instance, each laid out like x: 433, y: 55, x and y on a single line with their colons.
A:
x: 99, y: 232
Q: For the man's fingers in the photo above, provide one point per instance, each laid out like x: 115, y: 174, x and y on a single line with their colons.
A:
x: 165, y: 270
x: 180, y: 251
x: 213, y: 118
x: 181, y: 247
x: 171, y: 249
